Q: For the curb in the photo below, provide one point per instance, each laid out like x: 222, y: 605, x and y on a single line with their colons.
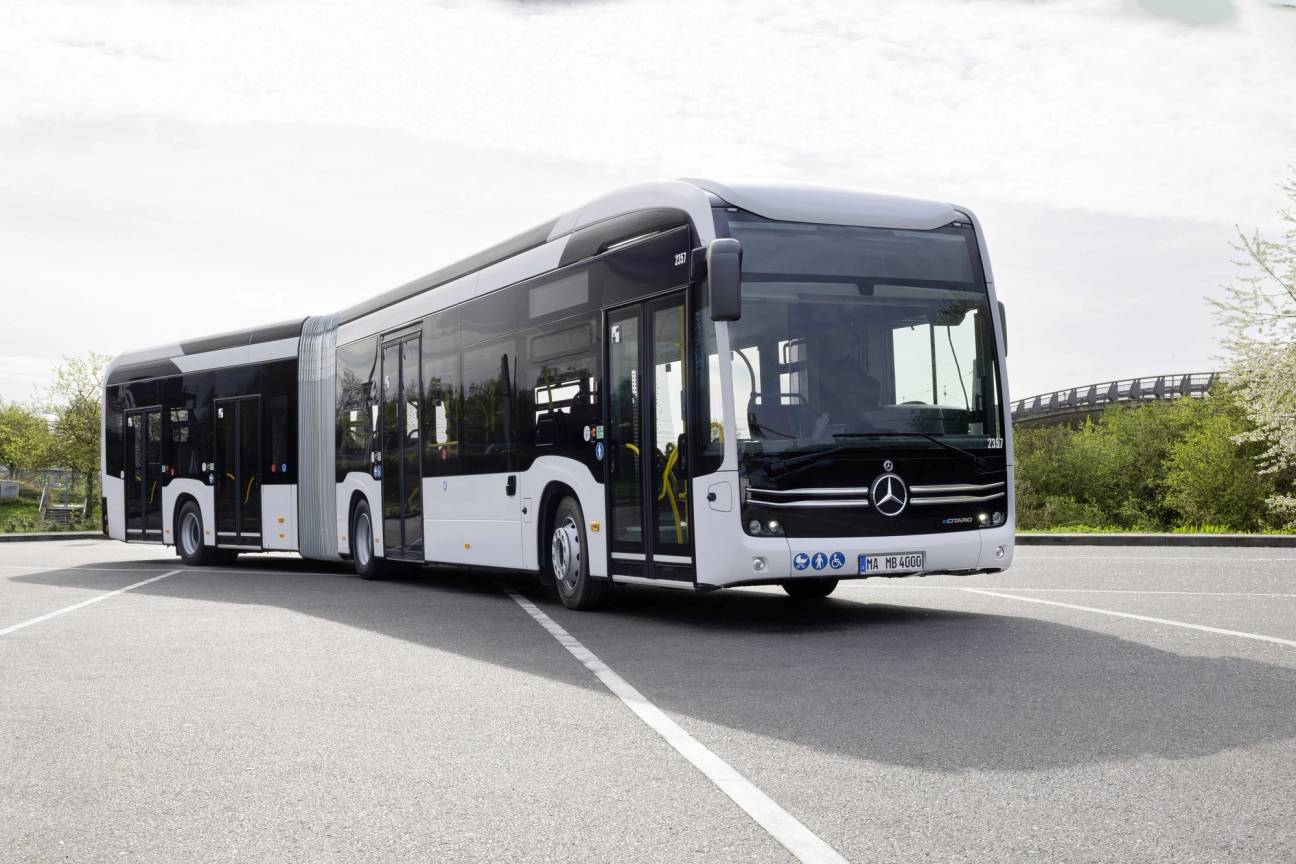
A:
x: 52, y: 535
x: 1286, y: 541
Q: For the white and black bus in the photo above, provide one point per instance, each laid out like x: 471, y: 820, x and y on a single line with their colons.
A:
x: 681, y: 384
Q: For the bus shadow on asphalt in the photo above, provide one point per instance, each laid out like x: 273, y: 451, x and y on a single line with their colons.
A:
x: 938, y: 690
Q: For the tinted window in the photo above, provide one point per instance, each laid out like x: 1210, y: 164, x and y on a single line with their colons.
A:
x: 489, y: 317
x: 564, y: 293
x: 488, y: 407
x: 559, y: 391
x: 355, y: 399
x: 441, y: 410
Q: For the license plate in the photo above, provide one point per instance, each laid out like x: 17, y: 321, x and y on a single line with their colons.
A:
x: 899, y: 562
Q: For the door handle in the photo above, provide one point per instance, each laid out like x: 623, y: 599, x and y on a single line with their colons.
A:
x: 510, y: 486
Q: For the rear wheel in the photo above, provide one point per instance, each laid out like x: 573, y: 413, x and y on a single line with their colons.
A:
x: 367, y: 564
x: 809, y: 589
x: 570, y: 562
x: 189, y: 539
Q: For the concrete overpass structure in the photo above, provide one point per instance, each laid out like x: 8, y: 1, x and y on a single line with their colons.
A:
x: 1074, y: 404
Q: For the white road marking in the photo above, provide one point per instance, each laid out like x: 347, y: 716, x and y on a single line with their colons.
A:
x: 125, y: 569
x: 1202, y: 627
x: 57, y: 612
x: 804, y: 844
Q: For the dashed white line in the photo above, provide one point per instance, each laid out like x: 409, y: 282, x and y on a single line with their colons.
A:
x: 803, y: 843
x: 1148, y: 618
x: 84, y: 603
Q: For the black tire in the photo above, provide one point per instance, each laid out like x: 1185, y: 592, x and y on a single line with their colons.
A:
x: 367, y: 564
x: 809, y: 589
x: 569, y: 561
x: 189, y: 539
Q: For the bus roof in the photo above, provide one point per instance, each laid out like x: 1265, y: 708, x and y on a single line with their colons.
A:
x: 692, y: 196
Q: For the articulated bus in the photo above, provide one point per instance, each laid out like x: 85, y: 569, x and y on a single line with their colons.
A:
x: 681, y: 384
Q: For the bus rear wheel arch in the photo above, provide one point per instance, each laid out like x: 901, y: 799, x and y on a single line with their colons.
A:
x: 190, y: 533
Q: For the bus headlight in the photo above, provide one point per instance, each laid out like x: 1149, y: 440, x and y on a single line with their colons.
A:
x: 768, y: 528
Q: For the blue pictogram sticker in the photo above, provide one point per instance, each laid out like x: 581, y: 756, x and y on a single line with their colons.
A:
x: 819, y: 561
x: 598, y: 451
x: 801, y: 561
x: 837, y: 560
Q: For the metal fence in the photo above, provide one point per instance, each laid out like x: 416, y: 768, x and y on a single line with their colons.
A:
x: 1077, y: 402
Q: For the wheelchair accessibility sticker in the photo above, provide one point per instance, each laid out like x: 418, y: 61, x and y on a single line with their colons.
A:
x: 837, y: 561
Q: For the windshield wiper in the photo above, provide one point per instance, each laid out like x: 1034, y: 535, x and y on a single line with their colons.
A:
x: 978, y: 461
x: 782, y: 466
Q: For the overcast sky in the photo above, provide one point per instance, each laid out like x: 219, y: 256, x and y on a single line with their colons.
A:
x: 182, y: 168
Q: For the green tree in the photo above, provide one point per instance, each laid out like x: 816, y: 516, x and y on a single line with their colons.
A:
x: 1211, y: 478
x: 24, y: 437
x: 75, y: 399
x: 1258, y: 316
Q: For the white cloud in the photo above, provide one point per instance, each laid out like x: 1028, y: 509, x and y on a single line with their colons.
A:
x: 175, y: 169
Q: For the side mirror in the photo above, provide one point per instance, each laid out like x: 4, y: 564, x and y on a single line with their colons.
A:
x: 1003, y: 326
x: 724, y: 273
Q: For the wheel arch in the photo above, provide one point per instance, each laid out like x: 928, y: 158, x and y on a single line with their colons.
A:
x: 554, y: 492
x: 181, y: 500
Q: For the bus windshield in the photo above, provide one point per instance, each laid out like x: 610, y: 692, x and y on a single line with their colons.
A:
x: 860, y: 337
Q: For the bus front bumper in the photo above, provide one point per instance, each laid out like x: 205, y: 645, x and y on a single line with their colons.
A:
x: 767, y: 560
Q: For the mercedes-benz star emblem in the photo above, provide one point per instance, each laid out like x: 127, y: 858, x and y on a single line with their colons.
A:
x: 890, y: 495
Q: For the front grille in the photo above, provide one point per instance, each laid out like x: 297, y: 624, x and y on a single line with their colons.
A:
x: 848, y: 497
x: 956, y: 493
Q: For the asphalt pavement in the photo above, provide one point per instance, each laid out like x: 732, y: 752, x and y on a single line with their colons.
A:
x: 1091, y: 704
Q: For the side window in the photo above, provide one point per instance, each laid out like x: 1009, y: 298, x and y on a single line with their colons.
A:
x: 487, y: 420
x: 181, y: 456
x: 355, y: 398
x: 560, y: 389
x: 441, y: 411
x: 113, y: 431
x: 566, y: 293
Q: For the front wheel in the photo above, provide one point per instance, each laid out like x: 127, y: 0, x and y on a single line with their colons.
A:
x: 570, y: 561
x: 809, y: 589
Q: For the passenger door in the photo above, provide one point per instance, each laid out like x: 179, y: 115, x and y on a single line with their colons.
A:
x: 646, y: 443
x: 143, y: 466
x: 237, y: 471
x: 402, y: 489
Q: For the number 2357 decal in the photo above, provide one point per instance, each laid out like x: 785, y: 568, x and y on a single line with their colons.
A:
x: 994, y: 443
x: 680, y: 258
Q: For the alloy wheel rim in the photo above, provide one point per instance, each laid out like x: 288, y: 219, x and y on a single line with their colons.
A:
x: 364, y: 540
x: 189, y: 534
x: 565, y: 553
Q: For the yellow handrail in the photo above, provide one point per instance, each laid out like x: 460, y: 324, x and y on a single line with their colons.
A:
x: 668, y: 492
x: 247, y: 496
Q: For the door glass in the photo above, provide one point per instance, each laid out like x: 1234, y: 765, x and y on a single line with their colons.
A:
x: 249, y: 471
x: 624, y: 433
x: 134, y: 445
x: 669, y: 472
x: 389, y: 442
x: 226, y: 453
x: 153, y: 473
x: 411, y: 448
